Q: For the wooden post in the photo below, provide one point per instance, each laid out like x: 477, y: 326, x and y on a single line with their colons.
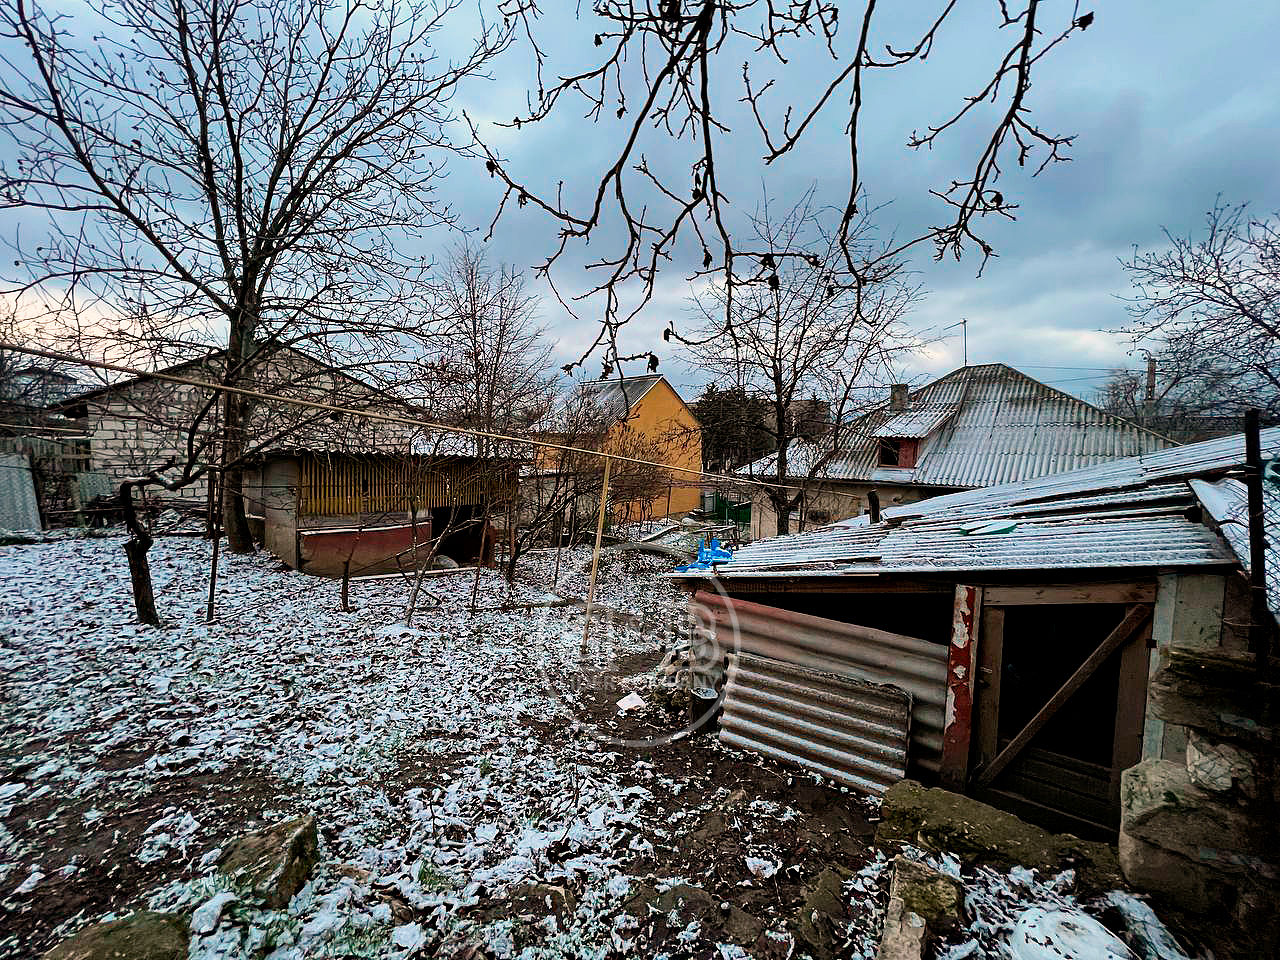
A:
x: 990, y: 671
x: 216, y: 532
x: 595, y: 554
x: 957, y: 727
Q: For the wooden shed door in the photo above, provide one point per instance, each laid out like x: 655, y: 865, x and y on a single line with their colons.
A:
x: 1060, y: 702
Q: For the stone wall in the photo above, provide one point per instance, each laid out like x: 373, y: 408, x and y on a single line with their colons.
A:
x: 141, y: 424
x: 1200, y: 829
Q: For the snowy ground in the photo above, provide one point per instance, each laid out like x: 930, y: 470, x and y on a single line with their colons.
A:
x: 450, y: 765
x: 477, y: 792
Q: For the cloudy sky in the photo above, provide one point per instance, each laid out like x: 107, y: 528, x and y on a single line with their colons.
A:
x: 1171, y: 105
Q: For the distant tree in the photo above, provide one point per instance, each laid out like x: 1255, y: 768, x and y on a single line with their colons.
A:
x: 1208, y: 309
x: 735, y: 427
x: 491, y: 369
x: 805, y: 334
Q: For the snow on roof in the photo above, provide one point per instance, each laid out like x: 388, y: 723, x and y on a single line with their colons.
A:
x: 978, y: 426
x: 916, y: 423
x: 1130, y: 513
x: 1227, y: 501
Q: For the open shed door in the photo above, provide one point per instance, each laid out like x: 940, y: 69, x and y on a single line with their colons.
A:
x: 1060, y: 700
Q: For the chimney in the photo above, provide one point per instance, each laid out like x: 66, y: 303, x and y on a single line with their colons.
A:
x: 898, y: 397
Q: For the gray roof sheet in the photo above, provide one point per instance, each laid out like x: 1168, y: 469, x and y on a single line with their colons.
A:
x: 979, y: 426
x: 616, y: 397
x: 1124, y: 514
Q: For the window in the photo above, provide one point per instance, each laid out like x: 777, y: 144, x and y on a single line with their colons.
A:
x: 897, y: 451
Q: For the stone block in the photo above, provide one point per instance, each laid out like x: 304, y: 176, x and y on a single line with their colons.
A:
x: 274, y: 862
x: 1218, y: 695
x: 904, y: 933
x: 1163, y: 807
x: 940, y: 820
x: 139, y: 936
x: 935, y: 897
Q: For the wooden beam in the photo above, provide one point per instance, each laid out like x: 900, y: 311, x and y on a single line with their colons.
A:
x: 1134, y: 620
x: 1005, y: 596
x: 990, y: 667
x: 1131, y: 706
x: 957, y: 727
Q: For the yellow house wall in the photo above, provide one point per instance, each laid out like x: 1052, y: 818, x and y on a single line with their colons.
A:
x: 661, y: 423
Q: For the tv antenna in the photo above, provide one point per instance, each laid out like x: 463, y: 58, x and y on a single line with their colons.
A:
x: 963, y: 324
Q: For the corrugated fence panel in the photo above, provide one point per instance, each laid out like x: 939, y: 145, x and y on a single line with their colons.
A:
x: 915, y: 666
x: 19, y: 509
x: 849, y: 730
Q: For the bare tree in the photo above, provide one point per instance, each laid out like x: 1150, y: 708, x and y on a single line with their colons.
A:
x: 661, y: 83
x: 1209, y: 310
x: 248, y: 176
x: 804, y: 334
x: 491, y: 370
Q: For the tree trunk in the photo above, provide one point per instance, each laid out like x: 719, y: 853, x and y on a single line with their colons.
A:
x: 144, y: 598
x: 235, y: 417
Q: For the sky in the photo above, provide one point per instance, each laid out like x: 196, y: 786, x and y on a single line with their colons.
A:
x: 1171, y: 105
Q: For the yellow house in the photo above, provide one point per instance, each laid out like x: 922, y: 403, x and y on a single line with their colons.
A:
x: 645, y: 419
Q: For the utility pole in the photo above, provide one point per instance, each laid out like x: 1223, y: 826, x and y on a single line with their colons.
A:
x: 1151, y: 390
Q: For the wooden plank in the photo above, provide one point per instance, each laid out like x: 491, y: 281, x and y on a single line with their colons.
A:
x: 991, y: 665
x: 961, y: 671
x: 1006, y: 596
x: 1134, y: 620
x: 1131, y: 706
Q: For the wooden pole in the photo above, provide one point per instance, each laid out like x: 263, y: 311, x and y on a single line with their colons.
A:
x: 595, y: 554
x: 215, y: 518
x: 1259, y: 631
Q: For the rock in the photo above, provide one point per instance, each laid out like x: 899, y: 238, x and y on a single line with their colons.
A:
x: 140, y: 936
x: 274, y: 862
x: 533, y: 901
x: 1218, y: 695
x: 1160, y: 805
x: 940, y: 820
x: 904, y: 933
x: 205, y: 919
x: 1221, y: 767
x: 930, y: 895
x: 820, y: 918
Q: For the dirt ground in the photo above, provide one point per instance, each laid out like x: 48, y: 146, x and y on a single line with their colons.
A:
x: 136, y: 754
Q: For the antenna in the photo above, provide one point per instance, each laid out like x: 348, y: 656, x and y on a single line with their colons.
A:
x: 963, y: 324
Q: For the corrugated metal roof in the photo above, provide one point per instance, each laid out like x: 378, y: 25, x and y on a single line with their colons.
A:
x: 617, y: 397
x: 1227, y: 501
x: 1006, y: 427
x: 1178, y: 463
x: 919, y: 422
x: 1124, y: 514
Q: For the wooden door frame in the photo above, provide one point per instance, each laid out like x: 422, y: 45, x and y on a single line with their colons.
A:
x: 1131, y: 638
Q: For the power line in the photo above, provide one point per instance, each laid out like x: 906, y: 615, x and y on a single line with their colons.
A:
x: 390, y: 418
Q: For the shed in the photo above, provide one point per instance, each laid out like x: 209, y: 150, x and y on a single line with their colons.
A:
x: 1024, y: 620
x: 331, y: 512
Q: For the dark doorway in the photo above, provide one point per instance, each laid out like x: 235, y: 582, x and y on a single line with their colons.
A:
x: 1063, y: 779
x: 461, y: 530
